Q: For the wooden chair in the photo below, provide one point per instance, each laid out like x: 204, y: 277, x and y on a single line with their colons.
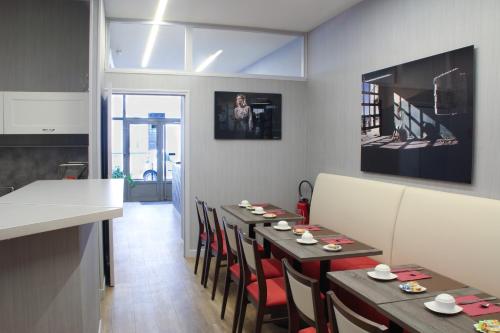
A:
x: 271, y: 268
x: 217, y: 246
x: 344, y: 320
x: 304, y: 301
x: 202, y: 235
x: 267, y: 295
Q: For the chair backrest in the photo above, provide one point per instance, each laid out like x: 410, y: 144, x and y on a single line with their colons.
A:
x: 230, y: 232
x: 304, y: 299
x: 249, y: 258
x: 200, y: 212
x: 213, y: 226
x: 344, y: 320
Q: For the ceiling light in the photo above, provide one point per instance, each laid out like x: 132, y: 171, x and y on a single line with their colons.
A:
x: 208, y: 61
x: 153, y: 33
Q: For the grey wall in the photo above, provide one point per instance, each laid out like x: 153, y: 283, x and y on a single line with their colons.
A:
x: 380, y: 33
x: 227, y: 171
x: 44, y: 45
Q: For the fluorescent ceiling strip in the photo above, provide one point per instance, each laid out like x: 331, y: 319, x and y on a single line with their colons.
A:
x: 153, y: 33
x: 378, y: 78
x: 211, y: 58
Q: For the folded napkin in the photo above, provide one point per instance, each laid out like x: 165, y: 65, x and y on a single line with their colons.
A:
x: 337, y: 240
x: 307, y: 227
x: 278, y: 212
x: 412, y: 276
x: 475, y: 309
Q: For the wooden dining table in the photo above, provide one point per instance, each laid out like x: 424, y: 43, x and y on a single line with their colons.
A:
x: 250, y: 219
x: 407, y: 311
x: 300, y: 253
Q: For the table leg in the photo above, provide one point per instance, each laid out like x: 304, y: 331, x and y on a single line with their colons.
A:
x: 395, y: 328
x: 324, y: 267
x: 267, y: 248
x: 251, y: 231
x: 296, y: 265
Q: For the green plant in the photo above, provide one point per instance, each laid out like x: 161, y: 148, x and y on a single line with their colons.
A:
x: 119, y: 174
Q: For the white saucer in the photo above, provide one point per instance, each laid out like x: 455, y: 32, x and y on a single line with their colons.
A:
x: 433, y: 307
x: 336, y: 249
x: 281, y: 228
x: 312, y: 241
x: 374, y: 275
x: 243, y: 206
x: 258, y: 213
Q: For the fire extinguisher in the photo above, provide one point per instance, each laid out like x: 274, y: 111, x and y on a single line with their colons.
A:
x: 304, y: 203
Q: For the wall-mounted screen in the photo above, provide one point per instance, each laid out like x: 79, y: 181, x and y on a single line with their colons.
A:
x: 243, y: 115
x: 417, y: 118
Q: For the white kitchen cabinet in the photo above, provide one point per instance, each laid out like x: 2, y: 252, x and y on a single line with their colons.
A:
x: 45, y: 113
x: 1, y: 112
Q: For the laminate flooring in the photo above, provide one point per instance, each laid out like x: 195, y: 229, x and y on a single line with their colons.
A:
x: 155, y: 288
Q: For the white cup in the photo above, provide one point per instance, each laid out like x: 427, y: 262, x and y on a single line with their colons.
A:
x: 382, y: 270
x: 245, y: 203
x: 445, y: 302
x: 307, y: 236
x: 258, y: 209
x: 283, y: 224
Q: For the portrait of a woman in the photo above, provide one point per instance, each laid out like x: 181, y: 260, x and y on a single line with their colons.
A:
x: 243, y: 116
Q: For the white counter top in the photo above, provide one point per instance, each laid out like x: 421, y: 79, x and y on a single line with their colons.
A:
x: 55, y: 204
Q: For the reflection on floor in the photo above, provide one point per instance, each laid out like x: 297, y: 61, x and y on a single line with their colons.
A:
x: 156, y: 290
x: 387, y: 142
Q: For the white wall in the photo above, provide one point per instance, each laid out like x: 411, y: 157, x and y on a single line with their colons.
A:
x: 377, y: 34
x: 227, y: 171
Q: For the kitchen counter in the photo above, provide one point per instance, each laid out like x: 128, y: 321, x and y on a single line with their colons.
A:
x: 49, y: 254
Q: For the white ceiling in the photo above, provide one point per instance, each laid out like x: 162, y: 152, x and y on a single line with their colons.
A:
x: 293, y: 15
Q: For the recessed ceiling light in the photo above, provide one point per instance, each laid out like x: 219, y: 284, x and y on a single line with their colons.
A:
x: 208, y: 61
x: 153, y: 33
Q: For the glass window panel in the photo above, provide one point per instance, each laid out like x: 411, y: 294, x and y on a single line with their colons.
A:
x: 117, y: 148
x: 172, y: 146
x: 143, y: 154
x: 153, y: 106
x: 117, y: 106
x: 247, y: 52
x: 127, y: 42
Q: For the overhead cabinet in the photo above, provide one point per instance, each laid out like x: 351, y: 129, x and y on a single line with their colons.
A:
x: 45, y: 113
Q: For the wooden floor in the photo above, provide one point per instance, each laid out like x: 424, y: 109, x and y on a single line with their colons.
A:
x: 156, y: 290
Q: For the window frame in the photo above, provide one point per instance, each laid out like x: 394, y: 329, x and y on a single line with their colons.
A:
x: 188, y: 52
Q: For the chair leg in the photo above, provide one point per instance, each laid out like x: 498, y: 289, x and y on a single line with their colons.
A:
x: 216, y: 274
x: 259, y: 321
x: 237, y: 311
x: 198, y: 252
x: 207, y: 269
x: 243, y: 310
x: 205, y: 257
x: 226, y: 292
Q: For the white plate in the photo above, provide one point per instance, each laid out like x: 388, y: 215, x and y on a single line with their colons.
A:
x: 312, y: 241
x: 422, y: 289
x: 432, y: 306
x: 270, y: 215
x: 282, y: 229
x: 258, y: 213
x: 243, y: 206
x: 374, y: 275
x: 336, y: 249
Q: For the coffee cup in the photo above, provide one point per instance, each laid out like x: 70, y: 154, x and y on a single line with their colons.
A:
x: 283, y: 224
x: 245, y: 203
x: 445, y: 302
x: 307, y: 236
x: 382, y: 270
x: 258, y: 209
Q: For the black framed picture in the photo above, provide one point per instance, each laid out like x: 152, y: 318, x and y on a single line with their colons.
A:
x: 247, y: 116
x: 417, y: 118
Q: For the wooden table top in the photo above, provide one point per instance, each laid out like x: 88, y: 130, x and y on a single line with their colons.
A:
x: 415, y: 317
x: 314, y: 252
x: 247, y: 217
x: 272, y: 234
x: 376, y: 292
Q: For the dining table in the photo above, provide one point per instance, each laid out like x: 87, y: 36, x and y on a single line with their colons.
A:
x: 286, y: 241
x: 406, y: 311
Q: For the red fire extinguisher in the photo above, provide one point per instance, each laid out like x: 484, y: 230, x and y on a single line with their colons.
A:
x: 303, y: 204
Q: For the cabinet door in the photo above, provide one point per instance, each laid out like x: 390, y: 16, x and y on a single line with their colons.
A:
x: 1, y: 112
x: 46, y: 113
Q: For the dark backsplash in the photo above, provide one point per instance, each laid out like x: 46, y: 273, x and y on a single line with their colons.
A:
x: 20, y: 166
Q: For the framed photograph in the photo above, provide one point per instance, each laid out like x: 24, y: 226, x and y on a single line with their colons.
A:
x: 417, y: 118
x: 247, y: 116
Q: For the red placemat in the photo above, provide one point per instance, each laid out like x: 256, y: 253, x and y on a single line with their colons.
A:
x: 337, y: 240
x: 278, y: 212
x: 476, y: 309
x: 412, y: 276
x: 307, y: 227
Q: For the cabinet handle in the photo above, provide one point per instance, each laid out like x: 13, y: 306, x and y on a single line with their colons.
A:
x: 48, y: 130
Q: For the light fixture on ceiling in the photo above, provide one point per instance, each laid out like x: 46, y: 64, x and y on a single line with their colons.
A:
x: 211, y: 58
x: 153, y: 33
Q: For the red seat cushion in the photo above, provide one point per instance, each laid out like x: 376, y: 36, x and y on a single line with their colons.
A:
x: 276, y: 294
x: 260, y: 248
x: 271, y: 267
x: 203, y: 236
x: 311, y: 330
x: 214, y: 247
